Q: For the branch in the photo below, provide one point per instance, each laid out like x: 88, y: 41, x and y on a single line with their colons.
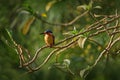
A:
x: 104, y: 30
x: 35, y: 56
x: 103, y: 52
x: 21, y: 56
x: 109, y: 46
x: 115, y: 32
x: 50, y: 55
x: 100, y: 22
x: 58, y: 47
x: 92, y: 27
x: 61, y: 24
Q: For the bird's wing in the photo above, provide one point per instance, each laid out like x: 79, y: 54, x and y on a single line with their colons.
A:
x: 53, y: 39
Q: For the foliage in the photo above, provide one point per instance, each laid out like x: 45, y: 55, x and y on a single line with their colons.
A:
x: 86, y: 36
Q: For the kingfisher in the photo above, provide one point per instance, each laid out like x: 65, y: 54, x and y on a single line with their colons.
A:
x: 49, y: 38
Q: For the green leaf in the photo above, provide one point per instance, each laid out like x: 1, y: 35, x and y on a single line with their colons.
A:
x: 90, y: 5
x: 85, y: 34
x: 81, y: 41
x: 74, y: 31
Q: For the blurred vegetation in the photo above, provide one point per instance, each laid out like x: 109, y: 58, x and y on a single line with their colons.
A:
x: 19, y: 25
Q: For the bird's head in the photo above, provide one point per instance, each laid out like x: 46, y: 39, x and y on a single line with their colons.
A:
x: 47, y: 32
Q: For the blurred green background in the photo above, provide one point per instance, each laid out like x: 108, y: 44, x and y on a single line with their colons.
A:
x: 28, y: 35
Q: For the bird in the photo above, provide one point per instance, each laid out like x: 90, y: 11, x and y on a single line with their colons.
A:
x: 49, y: 38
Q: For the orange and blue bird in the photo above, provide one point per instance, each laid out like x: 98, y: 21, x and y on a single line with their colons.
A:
x: 49, y: 38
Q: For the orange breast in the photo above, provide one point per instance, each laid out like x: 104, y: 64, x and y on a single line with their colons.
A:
x: 49, y: 39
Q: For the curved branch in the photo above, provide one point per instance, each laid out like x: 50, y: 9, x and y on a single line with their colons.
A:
x: 88, y: 30
x: 46, y: 60
x: 61, y: 24
x: 35, y: 56
x: 50, y: 55
x: 109, y: 46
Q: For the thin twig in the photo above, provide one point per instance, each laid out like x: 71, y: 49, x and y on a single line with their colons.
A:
x: 104, y: 30
x: 115, y: 32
